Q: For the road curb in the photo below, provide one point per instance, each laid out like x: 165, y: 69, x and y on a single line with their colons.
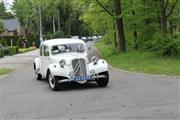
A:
x: 16, y: 69
x: 10, y: 74
x: 121, y: 70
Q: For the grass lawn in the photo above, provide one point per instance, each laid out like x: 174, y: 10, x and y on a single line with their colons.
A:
x: 22, y: 50
x: 140, y: 61
x: 4, y: 71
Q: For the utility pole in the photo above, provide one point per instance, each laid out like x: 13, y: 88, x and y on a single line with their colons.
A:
x: 40, y: 25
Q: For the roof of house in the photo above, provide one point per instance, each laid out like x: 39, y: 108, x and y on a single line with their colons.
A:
x: 11, y: 24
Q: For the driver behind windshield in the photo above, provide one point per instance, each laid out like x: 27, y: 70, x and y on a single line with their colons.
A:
x: 79, y: 48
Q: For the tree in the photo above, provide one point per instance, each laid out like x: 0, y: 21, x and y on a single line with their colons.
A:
x: 1, y: 26
x: 166, y: 10
x: 120, y: 25
x: 4, y: 14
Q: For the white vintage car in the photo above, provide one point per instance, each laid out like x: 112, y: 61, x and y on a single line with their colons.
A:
x: 65, y: 60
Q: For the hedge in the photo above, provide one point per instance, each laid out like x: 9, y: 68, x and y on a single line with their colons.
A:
x: 13, y: 50
x: 10, y: 50
x: 17, y: 39
x: 1, y: 53
x: 6, y: 40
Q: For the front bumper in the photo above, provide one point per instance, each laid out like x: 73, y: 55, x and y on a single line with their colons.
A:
x: 94, y: 77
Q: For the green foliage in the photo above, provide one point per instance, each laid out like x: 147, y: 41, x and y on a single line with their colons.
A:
x: 142, y: 21
x: 4, y: 71
x: 22, y: 50
x: 58, y: 34
x: 1, y: 26
x: 1, y: 53
x: 3, y: 42
x: 17, y: 40
x: 6, y: 51
x: 63, y: 16
x: 4, y: 14
x: 140, y: 61
x: 20, y: 42
x: 166, y: 43
x: 11, y: 50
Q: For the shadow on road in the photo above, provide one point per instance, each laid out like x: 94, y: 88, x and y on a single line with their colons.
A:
x: 75, y: 86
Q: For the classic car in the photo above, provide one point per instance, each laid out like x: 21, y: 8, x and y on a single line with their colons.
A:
x: 66, y: 60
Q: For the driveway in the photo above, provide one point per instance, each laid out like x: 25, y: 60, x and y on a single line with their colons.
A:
x: 128, y: 96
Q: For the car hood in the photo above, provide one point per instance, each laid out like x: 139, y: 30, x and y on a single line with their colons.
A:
x: 68, y: 57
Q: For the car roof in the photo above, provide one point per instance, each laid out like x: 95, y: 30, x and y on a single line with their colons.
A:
x: 52, y: 42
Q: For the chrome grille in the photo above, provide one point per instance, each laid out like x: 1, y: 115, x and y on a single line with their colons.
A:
x: 79, y: 67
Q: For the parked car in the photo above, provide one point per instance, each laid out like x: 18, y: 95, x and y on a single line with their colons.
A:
x: 75, y: 37
x: 89, y: 38
x: 99, y: 37
x: 94, y: 37
x: 65, y: 60
x: 84, y: 39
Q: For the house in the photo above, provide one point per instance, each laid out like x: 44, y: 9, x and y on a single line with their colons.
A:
x: 12, y: 27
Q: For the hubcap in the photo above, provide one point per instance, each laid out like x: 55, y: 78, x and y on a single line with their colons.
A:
x: 51, y: 81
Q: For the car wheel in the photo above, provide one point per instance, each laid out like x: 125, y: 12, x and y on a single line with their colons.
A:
x: 102, y: 82
x: 38, y: 76
x: 53, y: 83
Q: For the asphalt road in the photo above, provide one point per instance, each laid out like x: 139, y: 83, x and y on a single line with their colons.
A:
x: 128, y: 96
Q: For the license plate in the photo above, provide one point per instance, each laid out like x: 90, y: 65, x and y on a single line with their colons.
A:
x: 82, y: 78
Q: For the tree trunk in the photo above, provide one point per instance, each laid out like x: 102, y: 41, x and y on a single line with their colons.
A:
x: 54, y: 27
x: 59, y: 22
x: 135, y: 33
x: 69, y: 27
x: 119, y: 25
x: 40, y: 24
x: 115, y: 41
x: 163, y: 16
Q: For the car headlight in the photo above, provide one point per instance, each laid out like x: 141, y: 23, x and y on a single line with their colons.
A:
x: 92, y: 72
x: 62, y: 63
x: 94, y: 59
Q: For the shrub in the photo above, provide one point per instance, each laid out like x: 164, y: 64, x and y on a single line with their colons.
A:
x: 19, y: 42
x: 3, y: 42
x: 11, y: 50
x: 30, y: 38
x: 6, y: 50
x: 167, y: 44
x: 1, y: 53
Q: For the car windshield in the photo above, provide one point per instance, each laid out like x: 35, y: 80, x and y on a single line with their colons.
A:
x: 63, y: 48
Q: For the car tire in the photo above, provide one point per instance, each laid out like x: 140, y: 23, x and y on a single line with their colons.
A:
x: 53, y: 83
x: 38, y: 76
x: 102, y: 82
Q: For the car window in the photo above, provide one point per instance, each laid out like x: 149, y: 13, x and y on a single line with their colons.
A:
x: 76, y: 47
x: 46, y: 51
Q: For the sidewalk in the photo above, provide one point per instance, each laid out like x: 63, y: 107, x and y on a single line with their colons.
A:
x: 18, y: 61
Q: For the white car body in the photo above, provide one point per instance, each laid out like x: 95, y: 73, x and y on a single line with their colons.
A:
x: 74, y: 65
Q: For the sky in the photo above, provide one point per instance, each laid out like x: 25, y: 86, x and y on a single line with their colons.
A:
x: 8, y: 4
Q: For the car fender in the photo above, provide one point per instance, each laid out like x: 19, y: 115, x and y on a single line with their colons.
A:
x: 100, y: 67
x: 37, y: 64
x: 57, y: 70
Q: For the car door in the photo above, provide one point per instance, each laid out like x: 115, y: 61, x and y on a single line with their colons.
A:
x: 45, y: 60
